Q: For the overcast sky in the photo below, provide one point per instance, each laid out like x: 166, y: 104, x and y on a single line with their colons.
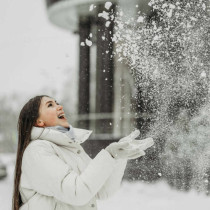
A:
x: 34, y: 54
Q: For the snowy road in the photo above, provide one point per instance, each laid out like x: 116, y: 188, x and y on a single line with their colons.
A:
x: 132, y: 196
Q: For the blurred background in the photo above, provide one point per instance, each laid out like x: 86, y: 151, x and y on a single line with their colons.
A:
x: 116, y: 66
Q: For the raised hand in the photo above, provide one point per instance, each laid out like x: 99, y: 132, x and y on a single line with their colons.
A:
x: 121, y: 150
x: 130, y: 148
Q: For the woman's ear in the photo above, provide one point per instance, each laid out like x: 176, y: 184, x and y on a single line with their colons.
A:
x: 39, y: 123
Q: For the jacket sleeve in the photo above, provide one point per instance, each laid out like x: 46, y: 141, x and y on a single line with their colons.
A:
x: 113, y: 182
x: 50, y: 176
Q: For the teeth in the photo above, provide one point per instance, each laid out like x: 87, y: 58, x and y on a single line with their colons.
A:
x: 61, y: 116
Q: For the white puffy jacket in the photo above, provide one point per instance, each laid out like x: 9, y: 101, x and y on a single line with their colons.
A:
x: 57, y: 174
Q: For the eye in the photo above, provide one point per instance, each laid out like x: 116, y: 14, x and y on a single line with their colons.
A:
x: 50, y: 104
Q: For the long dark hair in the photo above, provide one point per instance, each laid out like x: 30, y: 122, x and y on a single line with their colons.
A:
x: 27, y: 119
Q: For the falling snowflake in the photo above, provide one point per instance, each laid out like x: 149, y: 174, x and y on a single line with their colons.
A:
x: 108, y: 5
x: 140, y: 19
x: 92, y: 6
x: 82, y: 44
x: 104, y: 15
x: 88, y: 42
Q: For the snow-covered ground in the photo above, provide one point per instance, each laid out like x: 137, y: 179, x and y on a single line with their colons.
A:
x: 132, y: 196
x: 158, y: 196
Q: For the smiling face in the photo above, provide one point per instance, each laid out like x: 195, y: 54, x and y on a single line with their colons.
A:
x: 51, y: 114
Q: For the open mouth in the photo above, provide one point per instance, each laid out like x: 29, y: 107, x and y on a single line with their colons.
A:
x: 61, y: 116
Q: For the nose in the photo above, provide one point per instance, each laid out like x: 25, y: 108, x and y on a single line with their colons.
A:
x: 59, y: 107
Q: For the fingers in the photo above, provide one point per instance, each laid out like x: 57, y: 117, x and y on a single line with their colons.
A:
x: 130, y: 148
x: 137, y: 155
x: 123, y: 139
x: 134, y: 134
x: 143, y: 144
x: 129, y: 152
x: 131, y: 136
x: 122, y: 144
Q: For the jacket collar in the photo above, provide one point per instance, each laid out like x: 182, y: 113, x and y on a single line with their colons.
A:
x: 58, y: 137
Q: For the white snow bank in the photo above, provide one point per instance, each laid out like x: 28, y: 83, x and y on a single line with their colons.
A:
x: 156, y: 196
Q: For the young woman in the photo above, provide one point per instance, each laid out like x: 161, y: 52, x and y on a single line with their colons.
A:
x: 53, y: 172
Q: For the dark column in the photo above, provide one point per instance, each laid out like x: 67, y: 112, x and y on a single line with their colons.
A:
x: 105, y: 67
x: 84, y: 71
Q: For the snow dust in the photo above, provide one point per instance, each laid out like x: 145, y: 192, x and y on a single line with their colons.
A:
x: 168, y: 54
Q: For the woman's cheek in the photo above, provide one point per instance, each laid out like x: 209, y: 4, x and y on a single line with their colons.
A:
x: 51, y: 117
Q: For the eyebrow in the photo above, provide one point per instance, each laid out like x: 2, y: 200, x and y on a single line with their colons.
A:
x: 50, y: 102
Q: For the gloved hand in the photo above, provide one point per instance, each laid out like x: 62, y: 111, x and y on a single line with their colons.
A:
x: 131, y: 136
x: 121, y: 150
x: 134, y: 143
x: 128, y: 147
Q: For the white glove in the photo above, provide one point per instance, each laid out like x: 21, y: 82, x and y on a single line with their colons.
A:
x: 134, y: 143
x: 121, y: 150
x: 131, y: 136
x: 128, y: 147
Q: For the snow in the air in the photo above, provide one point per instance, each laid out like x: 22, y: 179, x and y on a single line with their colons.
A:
x: 169, y: 62
x: 92, y: 6
x: 107, y: 23
x: 168, y: 57
x: 104, y: 14
x: 108, y: 5
x: 140, y: 19
x: 82, y: 44
x: 88, y: 42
